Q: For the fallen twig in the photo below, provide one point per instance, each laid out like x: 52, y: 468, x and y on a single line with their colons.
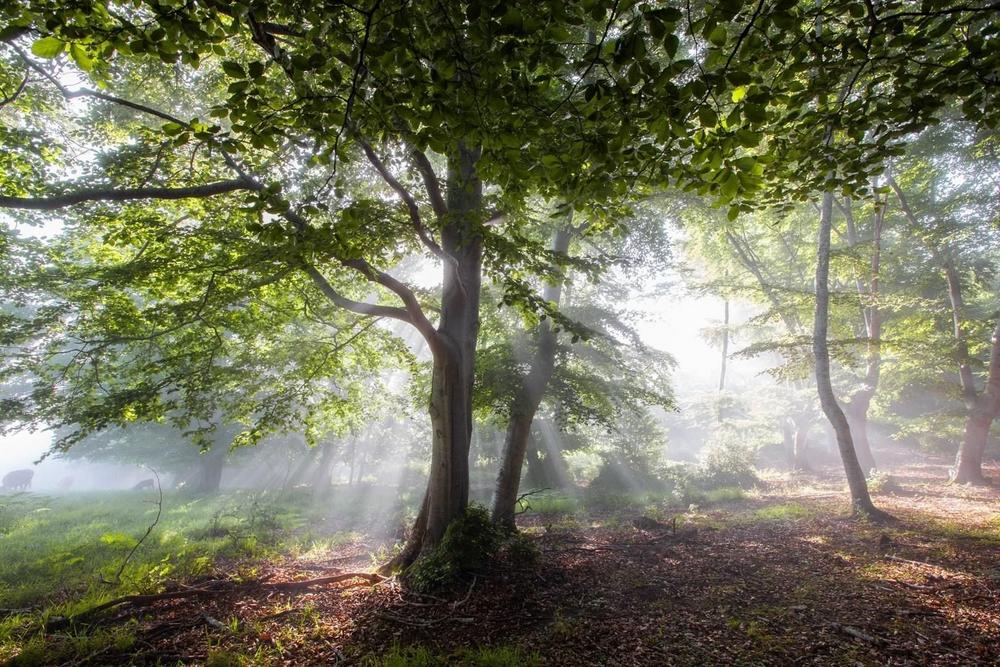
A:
x: 856, y: 633
x: 159, y: 511
x: 897, y: 559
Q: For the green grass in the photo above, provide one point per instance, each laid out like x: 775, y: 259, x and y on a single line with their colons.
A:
x: 56, y: 550
x: 783, y: 512
x: 551, y: 503
x: 59, y: 552
x: 724, y: 494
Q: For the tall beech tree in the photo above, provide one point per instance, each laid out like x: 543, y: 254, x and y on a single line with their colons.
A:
x: 591, y: 381
x: 459, y: 109
x: 948, y: 210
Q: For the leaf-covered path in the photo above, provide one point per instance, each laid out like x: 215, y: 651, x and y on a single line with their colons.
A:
x: 780, y: 578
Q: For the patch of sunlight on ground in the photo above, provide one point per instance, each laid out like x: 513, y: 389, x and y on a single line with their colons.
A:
x: 783, y: 512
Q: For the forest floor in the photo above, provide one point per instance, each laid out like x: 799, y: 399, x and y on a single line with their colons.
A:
x: 779, y: 577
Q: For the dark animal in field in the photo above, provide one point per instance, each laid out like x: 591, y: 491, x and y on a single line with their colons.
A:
x: 18, y: 480
x: 66, y: 483
x: 144, y: 484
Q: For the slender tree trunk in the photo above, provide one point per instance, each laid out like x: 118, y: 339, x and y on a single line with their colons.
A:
x: 969, y: 462
x: 526, y: 404
x: 799, y: 426
x: 788, y: 440
x: 980, y: 413
x: 965, y: 376
x: 799, y: 461
x: 861, y: 501
x: 725, y: 345
x: 857, y: 407
x: 352, y: 462
x: 454, y: 358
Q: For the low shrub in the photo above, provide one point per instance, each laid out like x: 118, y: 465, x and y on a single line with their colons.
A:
x: 469, y: 544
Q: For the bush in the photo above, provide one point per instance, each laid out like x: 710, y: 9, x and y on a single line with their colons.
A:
x: 468, y: 546
x: 883, y: 482
x: 521, y: 550
x: 728, y: 463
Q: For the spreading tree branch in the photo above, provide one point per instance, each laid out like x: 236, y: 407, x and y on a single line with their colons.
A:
x: 359, y: 307
x: 126, y: 194
x: 411, y: 204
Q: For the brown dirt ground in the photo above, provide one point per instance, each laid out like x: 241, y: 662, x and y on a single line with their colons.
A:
x: 783, y: 578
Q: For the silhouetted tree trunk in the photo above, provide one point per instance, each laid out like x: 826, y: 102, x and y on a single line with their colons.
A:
x: 210, y: 466
x: 796, y: 437
x: 321, y: 477
x: 969, y: 462
x: 980, y: 408
x: 858, y: 405
x: 725, y: 345
x: 548, y: 471
x: 453, y: 349
x: 861, y: 501
x: 526, y: 402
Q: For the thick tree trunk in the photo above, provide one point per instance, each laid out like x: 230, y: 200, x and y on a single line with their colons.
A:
x: 526, y: 403
x: 969, y: 462
x: 861, y: 501
x: 210, y: 468
x: 454, y: 355
x: 857, y: 417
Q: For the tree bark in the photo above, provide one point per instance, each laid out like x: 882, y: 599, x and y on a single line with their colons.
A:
x: 857, y: 417
x: 968, y: 382
x: 210, y: 469
x: 861, y: 502
x: 981, y: 409
x: 454, y: 354
x: 969, y: 462
x: 526, y: 403
x: 798, y: 436
x: 725, y: 344
x: 857, y: 407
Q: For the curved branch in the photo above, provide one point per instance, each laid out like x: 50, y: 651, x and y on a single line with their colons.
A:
x: 408, y: 199
x: 127, y: 194
x: 416, y: 313
x: 359, y: 307
x: 430, y: 182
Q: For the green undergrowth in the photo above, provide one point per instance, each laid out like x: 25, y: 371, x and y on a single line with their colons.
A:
x: 783, y: 512
x: 418, y: 656
x: 59, y: 550
x: 471, y: 544
x: 563, y: 503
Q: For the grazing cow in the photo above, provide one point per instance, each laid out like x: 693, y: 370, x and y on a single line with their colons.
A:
x: 18, y: 480
x: 144, y: 484
x: 66, y: 483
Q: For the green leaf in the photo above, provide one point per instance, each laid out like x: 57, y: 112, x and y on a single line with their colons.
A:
x: 81, y: 57
x: 739, y: 93
x: 671, y: 44
x: 234, y: 70
x: 718, y: 35
x: 48, y: 47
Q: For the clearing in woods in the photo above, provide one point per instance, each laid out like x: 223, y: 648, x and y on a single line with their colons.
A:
x: 777, y: 577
